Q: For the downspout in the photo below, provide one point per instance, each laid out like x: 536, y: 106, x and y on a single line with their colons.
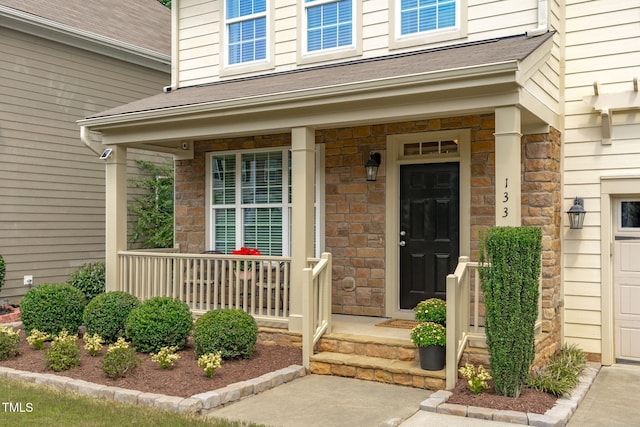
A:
x: 85, y: 137
x: 175, y: 47
x: 543, y: 23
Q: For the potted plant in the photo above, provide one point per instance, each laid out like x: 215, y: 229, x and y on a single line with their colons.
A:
x: 432, y: 310
x: 430, y: 338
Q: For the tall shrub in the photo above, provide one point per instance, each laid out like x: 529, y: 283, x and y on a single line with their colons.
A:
x: 510, y: 285
x: 152, y: 210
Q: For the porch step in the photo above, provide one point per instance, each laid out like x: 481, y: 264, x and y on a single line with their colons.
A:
x: 374, y: 358
x: 379, y: 369
x: 387, y: 348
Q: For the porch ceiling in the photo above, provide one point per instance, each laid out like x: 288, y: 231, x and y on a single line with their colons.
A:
x: 470, y: 77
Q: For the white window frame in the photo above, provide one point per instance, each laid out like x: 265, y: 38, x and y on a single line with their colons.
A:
x: 285, y: 204
x: 267, y: 63
x: 330, y: 54
x: 399, y: 41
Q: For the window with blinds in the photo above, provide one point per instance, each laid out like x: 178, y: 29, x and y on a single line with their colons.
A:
x: 329, y: 24
x: 418, y: 16
x: 246, y: 23
x: 251, y: 197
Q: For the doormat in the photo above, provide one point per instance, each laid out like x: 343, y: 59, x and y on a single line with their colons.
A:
x: 398, y: 323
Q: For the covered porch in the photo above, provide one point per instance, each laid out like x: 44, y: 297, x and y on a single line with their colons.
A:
x: 482, y: 101
x: 216, y: 281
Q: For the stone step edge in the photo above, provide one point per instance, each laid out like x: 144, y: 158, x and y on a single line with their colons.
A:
x: 378, y: 363
x: 368, y: 339
x: 194, y: 404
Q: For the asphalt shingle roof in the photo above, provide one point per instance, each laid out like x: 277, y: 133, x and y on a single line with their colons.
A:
x: 431, y: 60
x: 142, y: 23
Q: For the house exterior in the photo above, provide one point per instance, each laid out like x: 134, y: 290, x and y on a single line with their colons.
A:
x: 62, y: 61
x: 601, y: 149
x: 475, y: 108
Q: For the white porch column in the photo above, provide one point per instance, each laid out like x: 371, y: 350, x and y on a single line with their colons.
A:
x: 508, y: 167
x: 116, y: 214
x: 302, y: 215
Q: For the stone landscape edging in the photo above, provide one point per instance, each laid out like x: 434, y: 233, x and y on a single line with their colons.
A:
x: 194, y: 404
x: 557, y: 416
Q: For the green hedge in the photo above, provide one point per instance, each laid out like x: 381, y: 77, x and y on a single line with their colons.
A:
x: 231, y: 332
x: 107, y: 313
x: 510, y: 286
x: 159, y: 322
x: 52, y: 307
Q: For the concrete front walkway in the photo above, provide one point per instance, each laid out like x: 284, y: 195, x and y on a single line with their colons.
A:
x: 613, y: 400
x: 321, y: 401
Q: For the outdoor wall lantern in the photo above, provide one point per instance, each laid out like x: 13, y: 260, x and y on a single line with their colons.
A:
x: 372, y: 165
x: 576, y: 214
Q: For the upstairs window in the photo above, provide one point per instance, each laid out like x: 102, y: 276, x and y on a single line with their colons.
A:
x: 419, y: 16
x: 246, y: 23
x: 329, y: 24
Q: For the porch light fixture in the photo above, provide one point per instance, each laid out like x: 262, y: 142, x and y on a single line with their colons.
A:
x: 576, y: 214
x: 372, y: 165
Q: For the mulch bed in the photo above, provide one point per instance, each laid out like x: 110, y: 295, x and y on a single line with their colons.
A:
x: 185, y: 379
x: 537, y: 402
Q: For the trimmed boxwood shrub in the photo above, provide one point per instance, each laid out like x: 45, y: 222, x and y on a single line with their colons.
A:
x: 510, y: 285
x: 107, y: 313
x: 52, y: 307
x: 90, y: 279
x: 159, y: 322
x: 230, y: 331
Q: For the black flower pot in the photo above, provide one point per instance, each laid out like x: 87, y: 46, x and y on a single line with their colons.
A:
x: 432, y: 357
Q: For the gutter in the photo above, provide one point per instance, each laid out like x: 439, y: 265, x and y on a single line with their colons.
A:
x: 543, y: 22
x: 48, y: 29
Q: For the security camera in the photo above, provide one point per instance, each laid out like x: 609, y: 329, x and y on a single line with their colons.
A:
x: 106, y: 153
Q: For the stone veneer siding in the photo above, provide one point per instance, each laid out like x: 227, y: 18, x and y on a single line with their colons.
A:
x: 355, y: 208
x: 541, y: 202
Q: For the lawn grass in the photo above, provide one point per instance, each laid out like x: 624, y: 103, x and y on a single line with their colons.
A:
x: 24, y: 404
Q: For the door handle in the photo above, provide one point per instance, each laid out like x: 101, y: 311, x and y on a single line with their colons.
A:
x: 402, y: 243
x: 403, y: 233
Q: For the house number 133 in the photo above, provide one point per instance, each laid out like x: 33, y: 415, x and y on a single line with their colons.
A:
x: 505, y: 212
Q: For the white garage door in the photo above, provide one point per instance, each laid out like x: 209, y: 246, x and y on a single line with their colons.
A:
x: 627, y: 281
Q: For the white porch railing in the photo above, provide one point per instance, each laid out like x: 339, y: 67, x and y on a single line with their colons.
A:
x: 462, y: 325
x: 316, y: 304
x: 258, y: 285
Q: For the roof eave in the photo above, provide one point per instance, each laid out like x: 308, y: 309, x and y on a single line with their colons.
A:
x: 473, y: 76
x: 51, y: 30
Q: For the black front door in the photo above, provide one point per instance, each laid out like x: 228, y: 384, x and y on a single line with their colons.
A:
x: 429, y: 230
